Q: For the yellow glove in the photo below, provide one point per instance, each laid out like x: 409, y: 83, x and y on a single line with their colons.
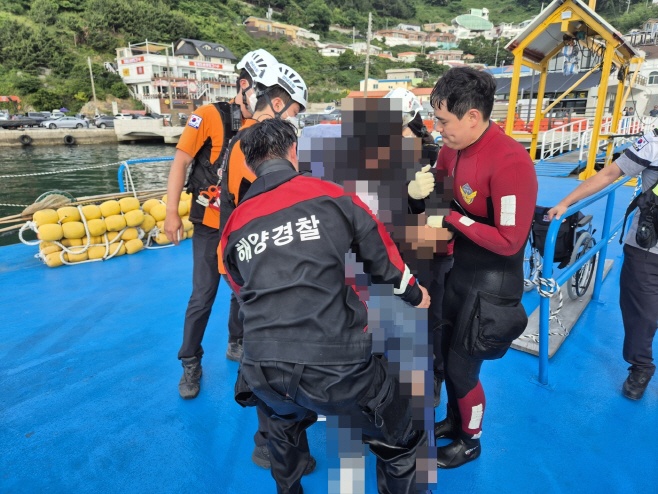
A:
x: 422, y: 185
x: 435, y: 221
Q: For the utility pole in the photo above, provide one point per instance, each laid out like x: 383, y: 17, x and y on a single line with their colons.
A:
x: 365, y: 92
x: 93, y: 88
x: 175, y: 121
x: 628, y: 6
x: 497, y: 45
x: 353, y: 36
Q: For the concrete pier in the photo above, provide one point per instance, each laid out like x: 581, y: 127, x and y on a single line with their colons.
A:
x: 55, y: 137
x: 136, y: 130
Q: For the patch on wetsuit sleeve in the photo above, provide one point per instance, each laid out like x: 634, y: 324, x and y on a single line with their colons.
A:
x: 508, y: 211
x: 465, y: 220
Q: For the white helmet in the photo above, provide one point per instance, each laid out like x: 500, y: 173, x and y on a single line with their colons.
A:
x: 261, y: 66
x: 294, y: 85
x: 410, y: 104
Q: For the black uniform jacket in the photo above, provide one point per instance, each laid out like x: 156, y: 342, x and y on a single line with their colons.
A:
x: 284, y: 252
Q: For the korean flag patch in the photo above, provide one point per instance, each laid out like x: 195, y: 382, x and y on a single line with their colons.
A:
x: 640, y: 143
x: 194, y: 121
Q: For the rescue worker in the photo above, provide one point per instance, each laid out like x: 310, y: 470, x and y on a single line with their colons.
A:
x: 638, y: 287
x: 307, y: 349
x: 280, y: 93
x: 418, y: 189
x: 204, y: 142
x: 490, y: 220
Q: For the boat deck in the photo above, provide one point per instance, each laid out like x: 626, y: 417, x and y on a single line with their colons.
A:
x: 89, y: 400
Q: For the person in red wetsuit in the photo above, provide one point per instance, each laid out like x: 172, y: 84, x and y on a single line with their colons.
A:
x: 495, y: 190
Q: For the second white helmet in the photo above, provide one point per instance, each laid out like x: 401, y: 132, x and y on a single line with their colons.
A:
x: 261, y: 66
x: 294, y: 85
x: 410, y: 103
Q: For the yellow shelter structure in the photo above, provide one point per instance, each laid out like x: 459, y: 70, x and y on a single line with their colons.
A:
x: 545, y: 37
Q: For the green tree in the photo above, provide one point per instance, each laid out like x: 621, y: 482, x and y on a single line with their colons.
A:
x: 319, y: 14
x: 44, y: 11
x: 27, y: 84
x: 119, y: 90
x: 44, y: 100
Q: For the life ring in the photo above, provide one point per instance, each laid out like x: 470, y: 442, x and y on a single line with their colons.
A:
x: 26, y: 140
x: 69, y: 140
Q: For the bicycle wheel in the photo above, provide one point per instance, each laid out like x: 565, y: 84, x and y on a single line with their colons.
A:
x: 580, y: 281
x: 529, y: 267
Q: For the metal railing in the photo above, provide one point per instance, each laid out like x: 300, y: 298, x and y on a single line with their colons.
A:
x: 559, y: 140
x: 549, y: 251
x: 124, y: 170
x: 629, y: 127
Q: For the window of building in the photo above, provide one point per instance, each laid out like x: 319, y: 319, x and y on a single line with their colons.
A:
x: 122, y: 53
x: 207, y: 59
x: 375, y: 86
x: 145, y: 90
x: 653, y: 78
x: 140, y: 70
x: 206, y: 47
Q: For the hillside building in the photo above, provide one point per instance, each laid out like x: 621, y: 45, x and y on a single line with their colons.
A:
x: 408, y: 56
x: 332, y: 50
x: 199, y: 72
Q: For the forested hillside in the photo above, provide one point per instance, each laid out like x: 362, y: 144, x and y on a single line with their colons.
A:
x: 44, y: 44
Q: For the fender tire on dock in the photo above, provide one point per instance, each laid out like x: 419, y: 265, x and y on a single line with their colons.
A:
x: 69, y: 140
x: 25, y: 140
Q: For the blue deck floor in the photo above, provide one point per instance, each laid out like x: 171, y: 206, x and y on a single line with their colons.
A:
x: 89, y: 399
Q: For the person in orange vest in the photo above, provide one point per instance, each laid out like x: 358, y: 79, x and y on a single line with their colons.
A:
x: 203, y: 144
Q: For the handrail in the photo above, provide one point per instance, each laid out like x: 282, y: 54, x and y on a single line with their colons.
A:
x: 627, y: 125
x: 124, y: 168
x: 574, y: 130
x: 549, y: 254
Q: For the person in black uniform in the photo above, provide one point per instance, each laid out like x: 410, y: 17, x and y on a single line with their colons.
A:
x: 306, y: 345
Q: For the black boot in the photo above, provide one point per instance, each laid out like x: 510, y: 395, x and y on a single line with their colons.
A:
x: 234, y: 351
x: 636, y: 383
x: 449, y: 427
x: 261, y: 457
x: 189, y: 385
x: 462, y: 450
x: 438, y: 382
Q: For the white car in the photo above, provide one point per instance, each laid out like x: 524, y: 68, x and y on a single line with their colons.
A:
x: 329, y: 109
x: 123, y: 116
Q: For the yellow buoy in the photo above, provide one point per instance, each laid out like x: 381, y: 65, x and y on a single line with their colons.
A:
x: 160, y: 225
x: 72, y: 242
x: 183, y: 208
x: 115, y: 223
x: 187, y: 225
x: 121, y: 248
x: 164, y: 198
x: 45, y: 217
x: 186, y: 196
x: 54, y: 260
x: 76, y: 257
x: 96, y: 227
x: 190, y: 233
x: 134, y: 217
x: 93, y: 240
x: 110, y: 208
x: 128, y: 204
x: 68, y: 214
x: 111, y: 236
x: 159, y: 212
x: 134, y: 245
x: 96, y: 252
x: 50, y: 232
x: 146, y: 207
x: 43, y: 245
x: 130, y: 234
x: 50, y: 249
x: 91, y: 212
x: 148, y: 223
x: 73, y: 229
x: 162, y: 239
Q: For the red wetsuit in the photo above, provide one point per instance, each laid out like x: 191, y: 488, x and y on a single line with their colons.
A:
x: 495, y: 191
x: 494, y: 182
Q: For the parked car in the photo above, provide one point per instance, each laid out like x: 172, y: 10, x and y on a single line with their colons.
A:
x: 56, y: 114
x: 312, y: 119
x: 38, y: 116
x: 154, y: 115
x: 65, y: 123
x: 104, y: 122
x: 329, y: 109
x: 334, y: 115
x: 125, y: 116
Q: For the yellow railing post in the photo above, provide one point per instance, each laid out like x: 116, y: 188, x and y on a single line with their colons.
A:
x: 514, y: 92
x: 539, y: 114
x: 600, y: 107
